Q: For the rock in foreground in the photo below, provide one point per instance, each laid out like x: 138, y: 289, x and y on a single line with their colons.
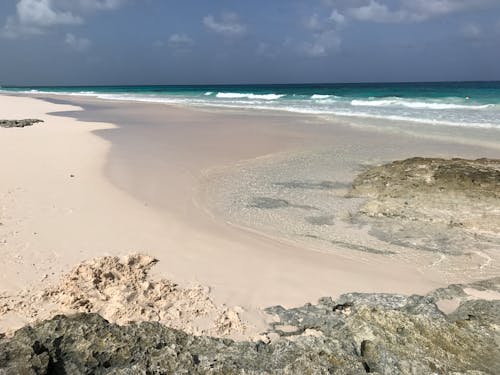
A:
x: 18, y: 123
x: 356, y: 334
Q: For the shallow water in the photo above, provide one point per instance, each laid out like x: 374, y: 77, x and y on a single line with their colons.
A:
x: 303, y: 197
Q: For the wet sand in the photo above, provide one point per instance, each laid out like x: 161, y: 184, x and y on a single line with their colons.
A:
x: 148, y: 183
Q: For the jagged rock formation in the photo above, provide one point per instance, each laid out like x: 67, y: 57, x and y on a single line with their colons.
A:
x: 18, y: 123
x: 356, y: 334
x: 433, y: 204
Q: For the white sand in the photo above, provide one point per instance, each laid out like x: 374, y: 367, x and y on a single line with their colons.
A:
x: 52, y: 221
x: 121, y: 291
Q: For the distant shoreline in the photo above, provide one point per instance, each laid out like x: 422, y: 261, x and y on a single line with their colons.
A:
x: 257, y: 84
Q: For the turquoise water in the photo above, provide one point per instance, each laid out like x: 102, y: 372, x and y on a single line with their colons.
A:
x: 471, y: 104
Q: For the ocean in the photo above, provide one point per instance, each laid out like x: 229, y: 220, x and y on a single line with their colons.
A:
x: 469, y: 104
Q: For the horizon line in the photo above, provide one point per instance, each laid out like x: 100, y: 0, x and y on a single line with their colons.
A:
x: 250, y: 84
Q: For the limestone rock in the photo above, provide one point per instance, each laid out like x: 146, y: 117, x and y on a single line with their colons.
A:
x: 18, y: 123
x: 355, y: 334
x: 439, y: 205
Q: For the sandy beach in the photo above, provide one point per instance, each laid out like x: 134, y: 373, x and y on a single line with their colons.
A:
x: 101, y: 178
x: 236, y: 187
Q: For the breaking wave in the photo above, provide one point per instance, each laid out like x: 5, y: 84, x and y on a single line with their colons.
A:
x: 481, y: 109
x: 236, y: 95
x: 399, y: 102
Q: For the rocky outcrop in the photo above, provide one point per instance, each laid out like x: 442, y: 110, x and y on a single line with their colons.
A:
x: 18, y: 123
x: 405, y: 178
x: 433, y: 204
x: 355, y: 334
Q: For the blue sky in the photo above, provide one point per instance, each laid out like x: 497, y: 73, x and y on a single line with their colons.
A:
x: 45, y: 42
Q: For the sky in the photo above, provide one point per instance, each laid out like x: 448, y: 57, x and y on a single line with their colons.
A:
x: 106, y: 42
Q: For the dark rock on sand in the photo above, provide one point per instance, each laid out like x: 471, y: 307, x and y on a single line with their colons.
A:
x: 366, y: 249
x: 18, y: 123
x: 433, y: 204
x: 322, y: 185
x: 274, y: 203
x: 355, y: 334
x: 320, y: 220
x: 458, y: 290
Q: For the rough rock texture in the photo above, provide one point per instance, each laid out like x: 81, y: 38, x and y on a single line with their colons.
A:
x: 18, y: 123
x: 356, y: 334
x: 121, y: 290
x: 441, y: 205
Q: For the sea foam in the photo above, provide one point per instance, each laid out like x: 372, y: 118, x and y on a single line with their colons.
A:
x: 455, y: 110
x: 236, y: 95
x: 399, y: 102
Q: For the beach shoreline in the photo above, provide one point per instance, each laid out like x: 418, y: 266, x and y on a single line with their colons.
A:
x: 116, y: 178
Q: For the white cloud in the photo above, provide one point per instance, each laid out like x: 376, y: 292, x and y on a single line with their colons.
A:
x: 100, y: 4
x: 76, y: 43
x: 317, y: 23
x: 325, y: 36
x: 377, y: 12
x: 228, y: 24
x: 13, y: 29
x: 421, y: 10
x: 322, y: 44
x: 36, y: 16
x: 40, y: 13
x: 412, y: 10
x: 326, y: 31
x: 338, y: 18
x: 180, y: 41
x: 33, y: 16
x: 471, y: 31
x: 313, y: 22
